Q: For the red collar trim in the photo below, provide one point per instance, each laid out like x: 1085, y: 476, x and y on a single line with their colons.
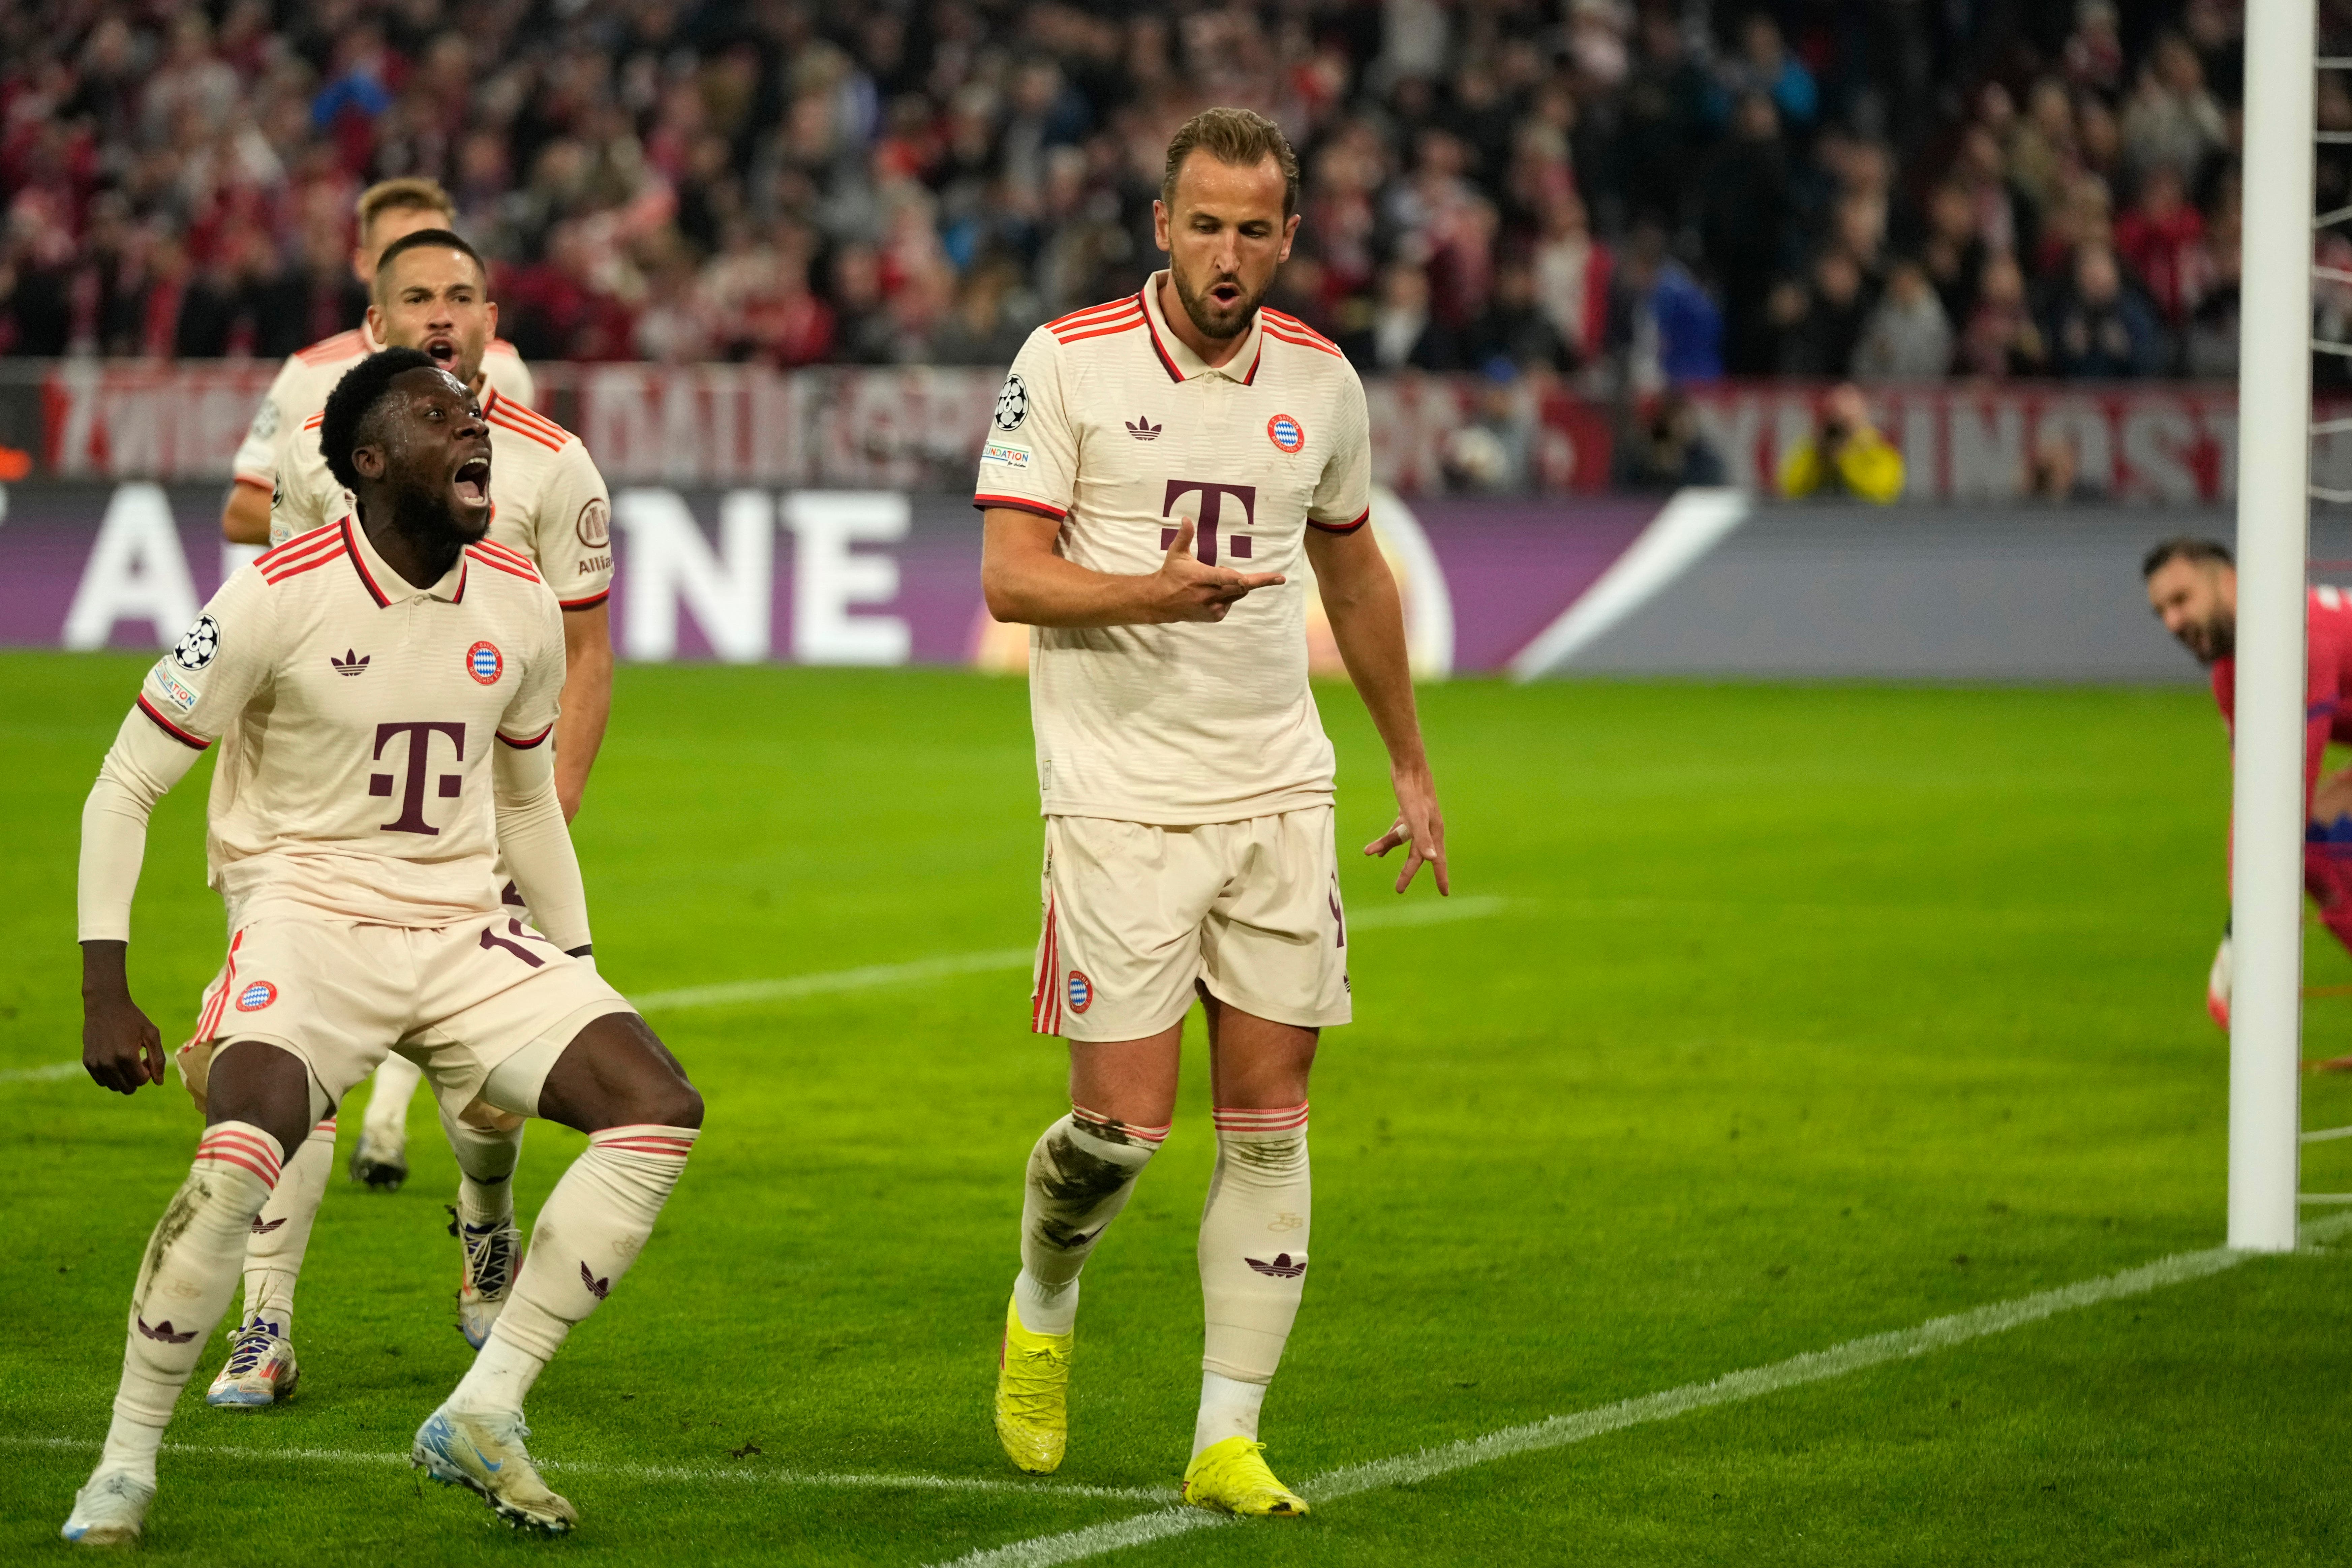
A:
x: 367, y: 579
x: 1165, y: 362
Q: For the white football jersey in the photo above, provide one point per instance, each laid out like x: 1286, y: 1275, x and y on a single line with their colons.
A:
x: 1110, y: 425
x: 358, y: 713
x: 547, y: 498
x: 308, y: 375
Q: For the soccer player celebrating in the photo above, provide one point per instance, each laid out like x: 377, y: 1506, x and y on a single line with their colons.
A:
x: 2192, y: 586
x: 387, y: 686
x: 389, y: 211
x: 549, y: 511
x: 1159, y: 468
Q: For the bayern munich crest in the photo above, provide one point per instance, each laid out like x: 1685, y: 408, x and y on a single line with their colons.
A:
x: 485, y: 663
x: 256, y: 997
x: 1082, y: 992
x: 1286, y: 433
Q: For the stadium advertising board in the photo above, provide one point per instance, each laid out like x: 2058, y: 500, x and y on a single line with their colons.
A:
x: 914, y: 429
x: 811, y: 576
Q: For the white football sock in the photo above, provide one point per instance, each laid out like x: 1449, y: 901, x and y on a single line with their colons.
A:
x: 1254, y: 1232
x: 591, y: 1229
x: 185, y: 1280
x: 486, y: 1166
x: 1229, y: 1408
x: 281, y: 1231
x: 1080, y: 1174
x: 391, y: 1089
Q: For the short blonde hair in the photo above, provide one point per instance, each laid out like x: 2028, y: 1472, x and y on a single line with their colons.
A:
x: 1239, y: 137
x: 411, y: 195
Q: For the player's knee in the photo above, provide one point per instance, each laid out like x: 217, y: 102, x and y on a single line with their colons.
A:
x: 676, y: 1104
x: 264, y: 1086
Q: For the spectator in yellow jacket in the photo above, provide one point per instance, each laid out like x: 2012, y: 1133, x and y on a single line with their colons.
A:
x: 1845, y: 455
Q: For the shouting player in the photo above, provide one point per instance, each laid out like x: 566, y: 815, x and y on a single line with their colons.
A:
x: 391, y: 683
x: 389, y: 211
x: 2192, y: 586
x: 548, y: 506
x: 1160, y: 469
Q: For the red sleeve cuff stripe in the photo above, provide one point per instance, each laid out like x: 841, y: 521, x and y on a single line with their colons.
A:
x: 590, y: 603
x: 171, y: 729
x: 527, y: 745
x: 1020, y: 503
x: 256, y: 482
x: 1342, y: 527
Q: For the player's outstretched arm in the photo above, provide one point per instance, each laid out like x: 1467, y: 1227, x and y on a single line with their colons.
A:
x: 1026, y: 582
x: 120, y: 1048
x: 1359, y: 598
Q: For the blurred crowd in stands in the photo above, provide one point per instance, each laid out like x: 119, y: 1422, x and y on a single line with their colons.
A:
x: 1622, y: 194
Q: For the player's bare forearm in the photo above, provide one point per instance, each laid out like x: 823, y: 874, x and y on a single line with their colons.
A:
x: 121, y: 1048
x: 1026, y: 582
x: 244, y: 515
x: 1359, y: 599
x: 587, y: 701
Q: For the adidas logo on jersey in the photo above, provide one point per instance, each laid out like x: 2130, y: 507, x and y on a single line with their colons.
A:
x: 1143, y: 429
x: 353, y: 662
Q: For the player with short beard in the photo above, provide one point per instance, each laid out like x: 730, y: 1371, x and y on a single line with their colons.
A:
x: 1160, y: 471
x: 386, y: 211
x: 2192, y: 586
x: 391, y: 684
x: 431, y: 293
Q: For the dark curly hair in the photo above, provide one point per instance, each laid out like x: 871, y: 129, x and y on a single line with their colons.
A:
x: 352, y: 405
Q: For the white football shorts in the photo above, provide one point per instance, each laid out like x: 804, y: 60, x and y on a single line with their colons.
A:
x: 1136, y: 914
x: 455, y: 1000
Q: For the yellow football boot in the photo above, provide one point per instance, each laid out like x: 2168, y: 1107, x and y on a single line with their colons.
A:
x: 1032, y: 1389
x: 1230, y: 1477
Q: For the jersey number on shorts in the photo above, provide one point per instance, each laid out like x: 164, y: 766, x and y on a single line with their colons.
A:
x: 490, y: 939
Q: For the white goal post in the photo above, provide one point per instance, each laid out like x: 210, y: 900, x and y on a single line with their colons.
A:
x: 2274, y: 533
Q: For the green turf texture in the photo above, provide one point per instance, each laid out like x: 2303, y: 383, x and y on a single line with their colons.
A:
x: 1814, y: 1012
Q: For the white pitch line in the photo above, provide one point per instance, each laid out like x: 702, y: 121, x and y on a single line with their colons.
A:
x: 1814, y: 1366
x: 750, y: 1475
x: 874, y: 976
x: 48, y: 1074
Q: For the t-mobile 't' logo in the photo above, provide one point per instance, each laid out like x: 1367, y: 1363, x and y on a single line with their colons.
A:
x: 1212, y: 500
x: 420, y: 734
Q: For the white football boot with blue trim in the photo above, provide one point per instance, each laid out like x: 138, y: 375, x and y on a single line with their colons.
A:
x: 260, y: 1370
x: 483, y: 1454
x: 109, y: 1511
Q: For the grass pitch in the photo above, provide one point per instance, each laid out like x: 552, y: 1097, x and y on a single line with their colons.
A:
x: 1809, y: 1013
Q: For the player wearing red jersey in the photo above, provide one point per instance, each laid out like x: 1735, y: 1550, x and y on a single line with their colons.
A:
x: 389, y: 685
x: 2192, y: 586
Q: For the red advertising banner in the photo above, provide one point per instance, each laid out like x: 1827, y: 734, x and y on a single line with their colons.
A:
x: 915, y: 428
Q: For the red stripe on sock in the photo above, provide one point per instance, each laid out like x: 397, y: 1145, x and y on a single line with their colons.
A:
x: 1240, y: 1119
